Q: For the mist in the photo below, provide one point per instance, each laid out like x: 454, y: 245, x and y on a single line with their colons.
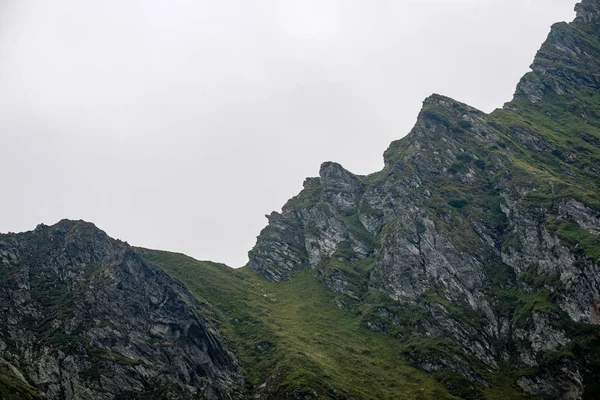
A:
x: 179, y: 124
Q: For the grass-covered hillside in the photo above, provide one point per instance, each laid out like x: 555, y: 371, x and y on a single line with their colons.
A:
x: 294, y: 341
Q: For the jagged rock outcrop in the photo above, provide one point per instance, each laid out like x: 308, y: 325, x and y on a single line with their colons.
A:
x: 569, y: 60
x: 482, y: 232
x: 84, y: 317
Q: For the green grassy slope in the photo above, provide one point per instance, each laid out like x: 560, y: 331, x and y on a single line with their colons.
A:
x: 13, y: 386
x: 293, y: 340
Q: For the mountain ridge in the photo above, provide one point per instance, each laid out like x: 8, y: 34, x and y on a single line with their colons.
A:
x: 468, y: 267
x: 493, y: 215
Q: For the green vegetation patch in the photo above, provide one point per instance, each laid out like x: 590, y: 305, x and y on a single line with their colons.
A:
x: 458, y: 203
x: 294, y: 330
x: 577, y: 239
x: 13, y: 386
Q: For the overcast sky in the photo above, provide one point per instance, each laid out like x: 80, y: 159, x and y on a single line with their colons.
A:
x: 178, y: 124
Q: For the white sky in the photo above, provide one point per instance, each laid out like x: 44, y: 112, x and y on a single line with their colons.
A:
x: 178, y: 124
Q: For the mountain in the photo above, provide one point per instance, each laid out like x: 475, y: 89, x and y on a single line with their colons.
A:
x: 467, y: 268
x: 478, y: 244
x: 84, y: 317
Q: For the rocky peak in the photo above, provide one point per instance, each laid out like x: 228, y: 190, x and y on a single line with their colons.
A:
x: 72, y: 227
x: 569, y: 59
x: 443, y: 118
x: 588, y: 11
x: 311, y: 183
x: 69, y: 231
x: 87, y: 318
x: 341, y: 187
x: 332, y: 171
x: 448, y: 104
x: 445, y: 129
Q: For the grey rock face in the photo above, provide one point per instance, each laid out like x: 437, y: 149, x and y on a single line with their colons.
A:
x: 341, y: 188
x: 279, y: 252
x: 460, y: 229
x: 565, y: 383
x: 87, y: 318
x: 567, y: 44
x: 588, y: 11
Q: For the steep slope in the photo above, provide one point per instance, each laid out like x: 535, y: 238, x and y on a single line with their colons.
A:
x: 295, y: 342
x: 84, y: 317
x: 478, y: 244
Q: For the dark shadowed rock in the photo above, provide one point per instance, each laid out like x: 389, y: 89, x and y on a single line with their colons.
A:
x: 87, y: 318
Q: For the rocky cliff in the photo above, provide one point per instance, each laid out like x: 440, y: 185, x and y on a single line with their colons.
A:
x: 478, y: 244
x: 84, y: 317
